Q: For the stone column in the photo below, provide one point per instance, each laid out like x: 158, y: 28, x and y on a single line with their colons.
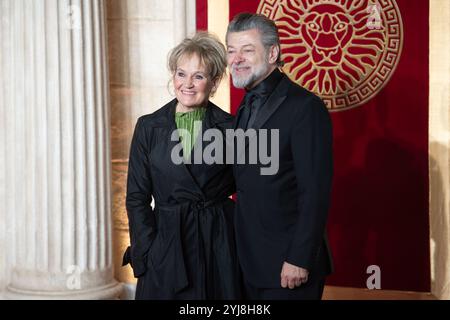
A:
x: 439, y: 147
x: 58, y: 154
x: 4, y: 88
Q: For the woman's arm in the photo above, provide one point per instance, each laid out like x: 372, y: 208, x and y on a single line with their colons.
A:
x: 141, y: 218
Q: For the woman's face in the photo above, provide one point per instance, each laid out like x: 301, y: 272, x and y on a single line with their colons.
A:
x: 192, y: 83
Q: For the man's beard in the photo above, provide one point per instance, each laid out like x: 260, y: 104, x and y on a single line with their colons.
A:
x: 244, y: 82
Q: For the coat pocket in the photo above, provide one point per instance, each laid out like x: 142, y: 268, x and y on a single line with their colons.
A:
x: 166, y: 259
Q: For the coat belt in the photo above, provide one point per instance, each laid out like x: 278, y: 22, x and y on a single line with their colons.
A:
x: 180, y: 280
x: 196, y: 204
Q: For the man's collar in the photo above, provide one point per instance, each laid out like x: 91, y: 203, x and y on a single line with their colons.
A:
x: 268, y: 84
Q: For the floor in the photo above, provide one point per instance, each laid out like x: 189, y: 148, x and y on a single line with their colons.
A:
x: 343, y: 293
x: 336, y: 293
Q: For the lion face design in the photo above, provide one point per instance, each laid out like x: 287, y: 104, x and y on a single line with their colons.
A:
x: 328, y: 46
x: 326, y: 34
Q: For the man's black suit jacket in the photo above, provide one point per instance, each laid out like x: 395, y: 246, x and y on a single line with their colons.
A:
x: 282, y: 217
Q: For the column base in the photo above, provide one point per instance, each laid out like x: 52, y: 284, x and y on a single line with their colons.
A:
x: 108, y: 292
x: 129, y: 291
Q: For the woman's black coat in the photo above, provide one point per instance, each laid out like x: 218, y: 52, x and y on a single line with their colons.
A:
x: 184, y: 248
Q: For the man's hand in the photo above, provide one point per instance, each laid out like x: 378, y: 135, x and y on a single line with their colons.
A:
x: 293, y: 276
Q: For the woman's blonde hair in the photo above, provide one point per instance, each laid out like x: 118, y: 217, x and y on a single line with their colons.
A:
x: 208, y: 48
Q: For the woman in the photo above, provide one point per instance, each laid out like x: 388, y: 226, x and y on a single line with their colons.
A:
x: 184, y: 247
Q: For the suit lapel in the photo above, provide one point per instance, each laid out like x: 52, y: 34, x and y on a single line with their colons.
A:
x: 267, y: 110
x: 272, y: 103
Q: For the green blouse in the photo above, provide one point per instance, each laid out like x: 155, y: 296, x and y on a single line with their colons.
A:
x: 186, y: 120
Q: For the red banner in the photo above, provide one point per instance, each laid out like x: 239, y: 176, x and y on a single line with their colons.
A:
x: 369, y: 61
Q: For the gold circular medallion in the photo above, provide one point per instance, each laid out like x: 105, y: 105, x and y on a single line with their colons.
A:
x: 345, y: 51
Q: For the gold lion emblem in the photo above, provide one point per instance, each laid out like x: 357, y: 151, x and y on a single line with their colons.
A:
x: 345, y: 51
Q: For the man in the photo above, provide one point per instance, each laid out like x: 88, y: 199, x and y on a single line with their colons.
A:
x: 280, y: 218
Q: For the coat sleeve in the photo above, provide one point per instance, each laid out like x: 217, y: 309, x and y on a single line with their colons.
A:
x: 141, y: 217
x: 311, y: 145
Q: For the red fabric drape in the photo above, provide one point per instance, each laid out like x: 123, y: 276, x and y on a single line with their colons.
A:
x: 379, y: 211
x: 202, y: 14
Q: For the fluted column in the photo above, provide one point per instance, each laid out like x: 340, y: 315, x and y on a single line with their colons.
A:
x: 4, y: 88
x: 60, y: 154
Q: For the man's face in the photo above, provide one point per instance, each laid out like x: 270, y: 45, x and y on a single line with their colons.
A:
x: 248, y: 59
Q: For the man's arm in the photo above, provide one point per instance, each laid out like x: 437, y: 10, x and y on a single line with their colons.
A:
x: 311, y: 145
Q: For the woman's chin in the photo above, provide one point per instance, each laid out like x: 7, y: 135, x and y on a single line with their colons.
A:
x: 187, y: 103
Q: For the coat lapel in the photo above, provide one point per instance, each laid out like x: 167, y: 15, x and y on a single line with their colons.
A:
x: 267, y: 110
x: 182, y: 169
x: 272, y: 104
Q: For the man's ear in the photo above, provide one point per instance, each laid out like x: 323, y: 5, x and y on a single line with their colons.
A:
x: 273, y: 54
